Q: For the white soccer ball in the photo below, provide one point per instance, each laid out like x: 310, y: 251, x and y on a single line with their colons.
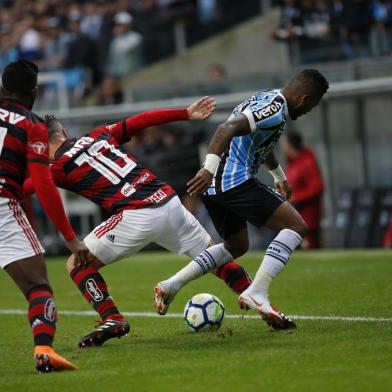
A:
x: 204, y: 312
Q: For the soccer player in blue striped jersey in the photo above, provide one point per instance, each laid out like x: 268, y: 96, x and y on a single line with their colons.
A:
x: 234, y: 196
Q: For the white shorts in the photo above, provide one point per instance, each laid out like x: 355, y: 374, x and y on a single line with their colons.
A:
x: 17, y: 238
x: 171, y: 226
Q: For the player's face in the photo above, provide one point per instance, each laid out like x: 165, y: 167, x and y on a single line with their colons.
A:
x: 305, y: 104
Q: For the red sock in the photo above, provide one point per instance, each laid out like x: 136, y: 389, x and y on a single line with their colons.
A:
x: 234, y: 276
x: 93, y: 287
x: 42, y: 315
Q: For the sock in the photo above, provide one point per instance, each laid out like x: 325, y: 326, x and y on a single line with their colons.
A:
x: 235, y: 276
x: 42, y: 315
x: 275, y: 259
x: 93, y: 288
x: 208, y: 260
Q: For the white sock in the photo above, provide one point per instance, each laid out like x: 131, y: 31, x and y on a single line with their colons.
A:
x: 276, y: 257
x: 210, y: 259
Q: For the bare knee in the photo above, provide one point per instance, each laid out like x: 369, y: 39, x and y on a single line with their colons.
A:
x: 299, y: 226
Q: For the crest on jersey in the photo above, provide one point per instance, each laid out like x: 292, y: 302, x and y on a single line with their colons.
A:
x: 39, y: 147
x: 110, y: 126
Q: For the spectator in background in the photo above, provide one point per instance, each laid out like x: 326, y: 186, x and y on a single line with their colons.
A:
x: 379, y: 39
x: 55, y: 50
x: 290, y: 27
x: 355, y: 29
x: 110, y: 92
x: 80, y: 57
x: 388, y: 237
x: 125, y: 49
x: 91, y: 21
x: 217, y: 81
x: 8, y: 47
x: 30, y: 40
x: 304, y: 176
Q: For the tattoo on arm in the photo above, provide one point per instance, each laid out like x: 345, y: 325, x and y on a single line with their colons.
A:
x: 225, y: 133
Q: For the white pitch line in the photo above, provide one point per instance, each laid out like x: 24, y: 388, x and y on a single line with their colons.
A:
x: 231, y: 316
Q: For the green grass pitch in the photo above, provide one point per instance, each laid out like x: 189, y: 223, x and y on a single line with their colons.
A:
x: 160, y: 354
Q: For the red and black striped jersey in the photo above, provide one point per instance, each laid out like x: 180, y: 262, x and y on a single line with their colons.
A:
x: 97, y: 167
x: 23, y: 139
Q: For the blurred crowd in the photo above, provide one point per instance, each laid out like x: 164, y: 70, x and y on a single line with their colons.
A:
x: 325, y: 30
x: 96, y: 42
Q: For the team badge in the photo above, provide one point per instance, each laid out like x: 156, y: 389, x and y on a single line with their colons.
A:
x: 39, y: 147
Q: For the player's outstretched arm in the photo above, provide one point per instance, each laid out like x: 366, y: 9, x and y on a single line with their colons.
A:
x: 219, y: 143
x: 280, y: 180
x: 199, y: 110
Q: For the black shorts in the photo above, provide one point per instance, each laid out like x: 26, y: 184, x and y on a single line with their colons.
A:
x: 250, y: 201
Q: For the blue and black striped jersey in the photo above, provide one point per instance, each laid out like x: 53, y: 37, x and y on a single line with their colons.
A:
x: 267, y: 115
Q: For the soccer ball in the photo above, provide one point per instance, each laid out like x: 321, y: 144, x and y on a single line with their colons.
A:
x: 204, y: 312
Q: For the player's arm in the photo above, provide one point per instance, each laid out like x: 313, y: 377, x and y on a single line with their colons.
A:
x: 47, y: 193
x: 219, y: 143
x: 199, y: 110
x: 280, y: 180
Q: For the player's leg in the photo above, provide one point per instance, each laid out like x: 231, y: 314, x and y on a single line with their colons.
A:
x: 292, y: 229
x: 185, y: 235
x: 22, y: 258
x: 234, y: 232
x: 121, y: 235
x: 108, y: 242
x: 94, y: 289
x: 31, y: 277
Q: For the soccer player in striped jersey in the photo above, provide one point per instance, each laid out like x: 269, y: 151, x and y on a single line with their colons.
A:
x: 232, y: 194
x: 24, y: 147
x: 144, y: 210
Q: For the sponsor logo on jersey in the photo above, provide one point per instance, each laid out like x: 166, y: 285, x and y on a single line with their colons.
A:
x: 267, y: 111
x: 156, y: 197
x: 79, y: 145
x: 93, y: 289
x: 10, y: 117
x: 128, y: 189
x: 39, y: 147
x: 50, y: 310
x: 109, y: 127
x: 111, y: 238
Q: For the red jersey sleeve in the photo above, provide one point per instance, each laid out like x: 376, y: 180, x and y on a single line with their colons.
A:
x: 42, y: 181
x: 124, y: 130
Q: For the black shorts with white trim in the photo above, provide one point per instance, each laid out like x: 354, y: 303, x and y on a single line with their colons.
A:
x: 250, y: 201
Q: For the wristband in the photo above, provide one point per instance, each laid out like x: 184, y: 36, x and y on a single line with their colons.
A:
x: 278, y: 174
x: 211, y: 163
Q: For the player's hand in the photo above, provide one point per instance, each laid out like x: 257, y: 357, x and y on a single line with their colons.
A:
x: 284, y: 189
x: 199, y: 183
x: 81, y: 253
x: 202, y: 108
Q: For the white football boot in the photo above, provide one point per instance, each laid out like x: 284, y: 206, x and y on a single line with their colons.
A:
x: 272, y: 316
x: 164, y: 293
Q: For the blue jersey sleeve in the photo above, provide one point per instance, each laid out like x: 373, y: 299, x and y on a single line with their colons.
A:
x: 262, y: 115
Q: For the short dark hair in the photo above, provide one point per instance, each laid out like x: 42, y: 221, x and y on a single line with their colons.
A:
x: 311, y: 81
x: 54, y: 127
x: 295, y: 139
x: 20, y: 76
